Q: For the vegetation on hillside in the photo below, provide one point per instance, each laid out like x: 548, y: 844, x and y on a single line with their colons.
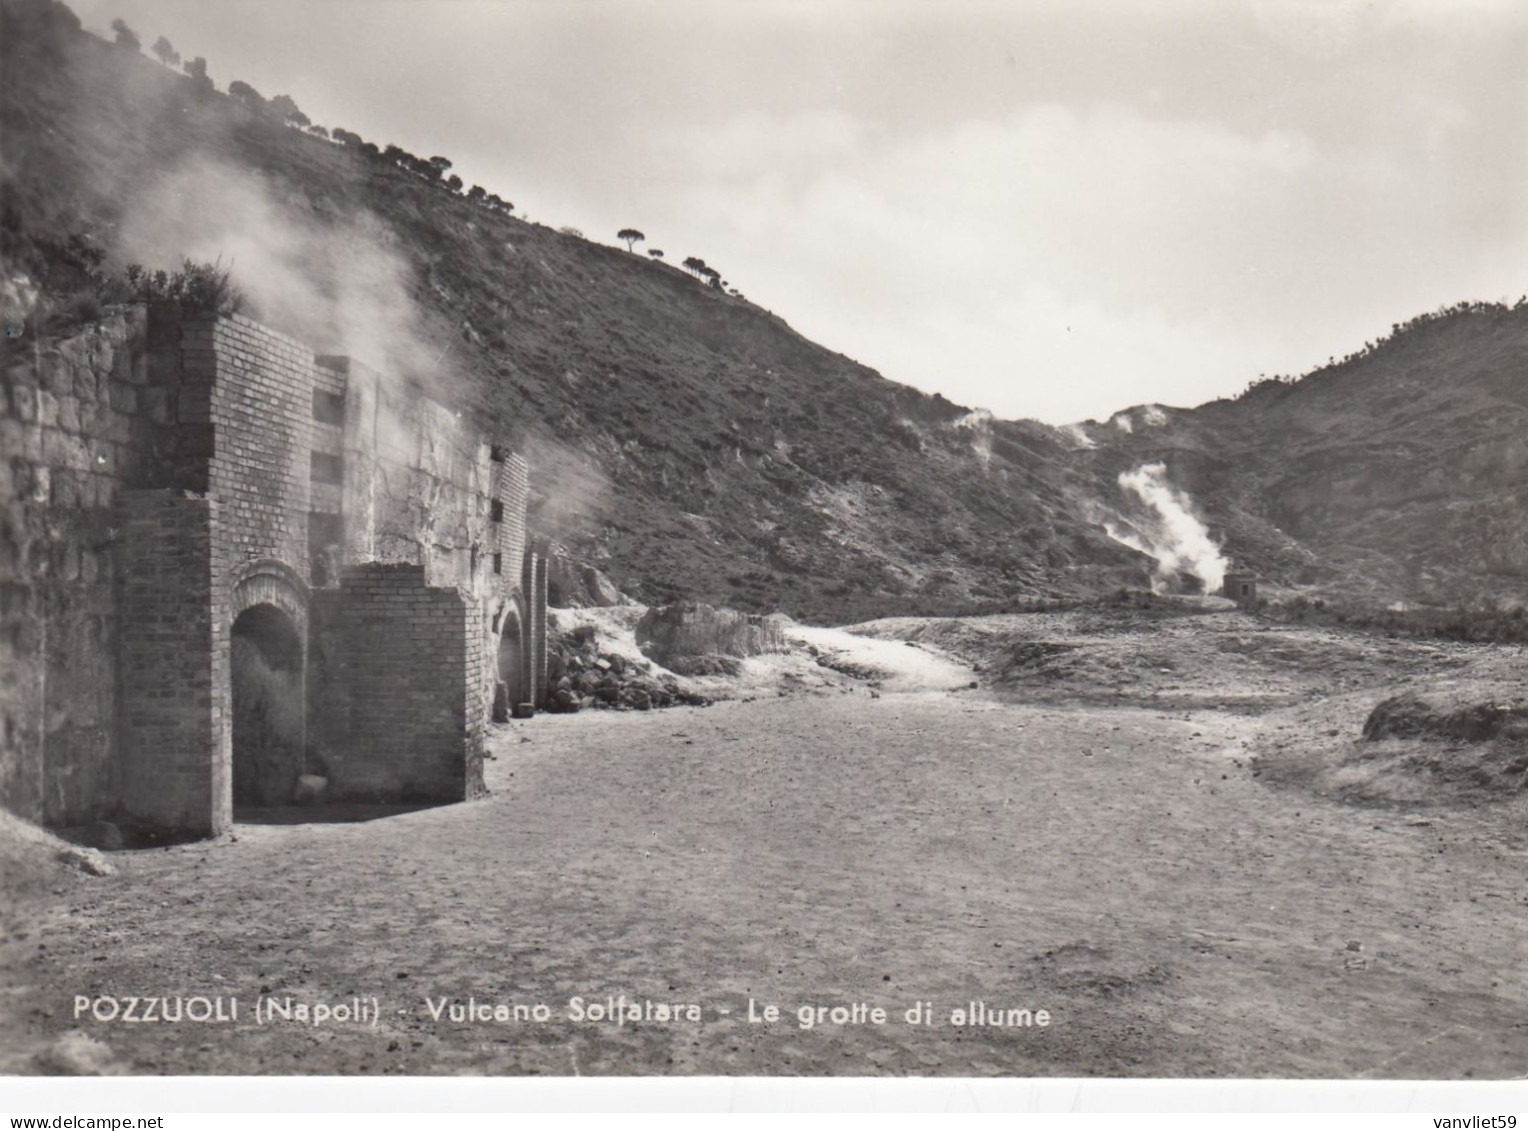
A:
x: 1491, y: 312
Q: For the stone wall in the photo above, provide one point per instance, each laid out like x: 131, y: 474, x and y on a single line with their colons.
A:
x: 78, y: 423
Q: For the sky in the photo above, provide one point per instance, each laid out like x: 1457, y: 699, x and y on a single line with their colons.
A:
x: 1048, y: 210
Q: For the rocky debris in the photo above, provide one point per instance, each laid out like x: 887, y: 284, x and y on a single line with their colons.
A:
x: 1410, y: 716
x: 1043, y: 659
x: 692, y: 638
x: 571, y: 584
x: 87, y: 860
x: 580, y: 675
x: 76, y: 1054
x: 837, y: 662
x: 1458, y: 740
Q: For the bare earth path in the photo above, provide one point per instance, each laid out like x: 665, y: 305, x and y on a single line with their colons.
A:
x: 1120, y: 869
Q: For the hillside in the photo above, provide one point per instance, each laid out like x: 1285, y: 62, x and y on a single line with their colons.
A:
x: 1400, y: 473
x: 684, y: 440
x: 688, y: 442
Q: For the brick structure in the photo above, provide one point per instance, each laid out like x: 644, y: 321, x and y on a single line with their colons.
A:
x: 401, y: 686
x: 173, y: 674
x: 228, y: 561
x: 1241, y: 587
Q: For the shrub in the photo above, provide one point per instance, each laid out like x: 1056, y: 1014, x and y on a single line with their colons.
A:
x: 199, y: 288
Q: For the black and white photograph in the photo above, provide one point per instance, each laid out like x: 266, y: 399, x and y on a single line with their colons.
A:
x: 788, y: 539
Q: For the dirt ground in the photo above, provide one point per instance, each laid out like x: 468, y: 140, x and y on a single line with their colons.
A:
x: 1127, y: 867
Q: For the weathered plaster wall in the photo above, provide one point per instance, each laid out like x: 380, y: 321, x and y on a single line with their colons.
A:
x: 417, y: 483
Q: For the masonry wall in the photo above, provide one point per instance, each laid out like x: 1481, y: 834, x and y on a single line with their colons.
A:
x: 78, y: 423
x: 417, y: 482
x: 246, y: 392
x: 241, y: 398
x: 173, y: 664
x: 512, y: 491
x: 400, y: 668
x: 422, y: 488
x: 536, y: 599
x: 160, y: 473
x: 476, y: 698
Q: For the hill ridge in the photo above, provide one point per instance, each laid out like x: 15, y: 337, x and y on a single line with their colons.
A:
x: 690, y: 443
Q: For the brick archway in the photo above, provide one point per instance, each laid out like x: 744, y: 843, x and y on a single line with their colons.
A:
x: 267, y: 658
x: 512, y: 672
x: 269, y: 581
x: 268, y: 706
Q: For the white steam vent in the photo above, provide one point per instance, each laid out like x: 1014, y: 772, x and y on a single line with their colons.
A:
x: 1078, y: 435
x: 1169, y: 531
x: 979, y: 423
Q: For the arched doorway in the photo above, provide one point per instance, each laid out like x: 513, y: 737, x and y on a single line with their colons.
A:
x: 513, y: 689
x: 269, y: 727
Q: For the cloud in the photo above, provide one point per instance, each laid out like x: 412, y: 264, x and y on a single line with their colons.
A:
x: 1063, y: 262
x: 1022, y: 245
x: 753, y: 144
x: 1319, y: 29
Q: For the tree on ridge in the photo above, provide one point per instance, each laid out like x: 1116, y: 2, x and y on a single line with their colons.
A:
x: 241, y: 92
x: 285, y: 108
x: 166, y: 53
x: 126, y: 36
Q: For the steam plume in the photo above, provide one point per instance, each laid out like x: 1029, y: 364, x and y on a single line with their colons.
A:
x: 1168, y: 531
x: 1078, y: 435
x: 334, y: 282
x: 979, y: 423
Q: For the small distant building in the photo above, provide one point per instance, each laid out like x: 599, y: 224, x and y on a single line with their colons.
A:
x: 1241, y: 587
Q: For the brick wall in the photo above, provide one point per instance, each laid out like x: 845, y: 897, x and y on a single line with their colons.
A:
x: 250, y: 391
x: 477, y: 699
x: 512, y: 492
x: 536, y: 603
x: 173, y: 663
x: 391, y: 703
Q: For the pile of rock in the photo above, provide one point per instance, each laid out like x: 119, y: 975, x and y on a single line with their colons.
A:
x: 1410, y: 716
x: 693, y: 638
x: 570, y: 583
x: 583, y: 676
